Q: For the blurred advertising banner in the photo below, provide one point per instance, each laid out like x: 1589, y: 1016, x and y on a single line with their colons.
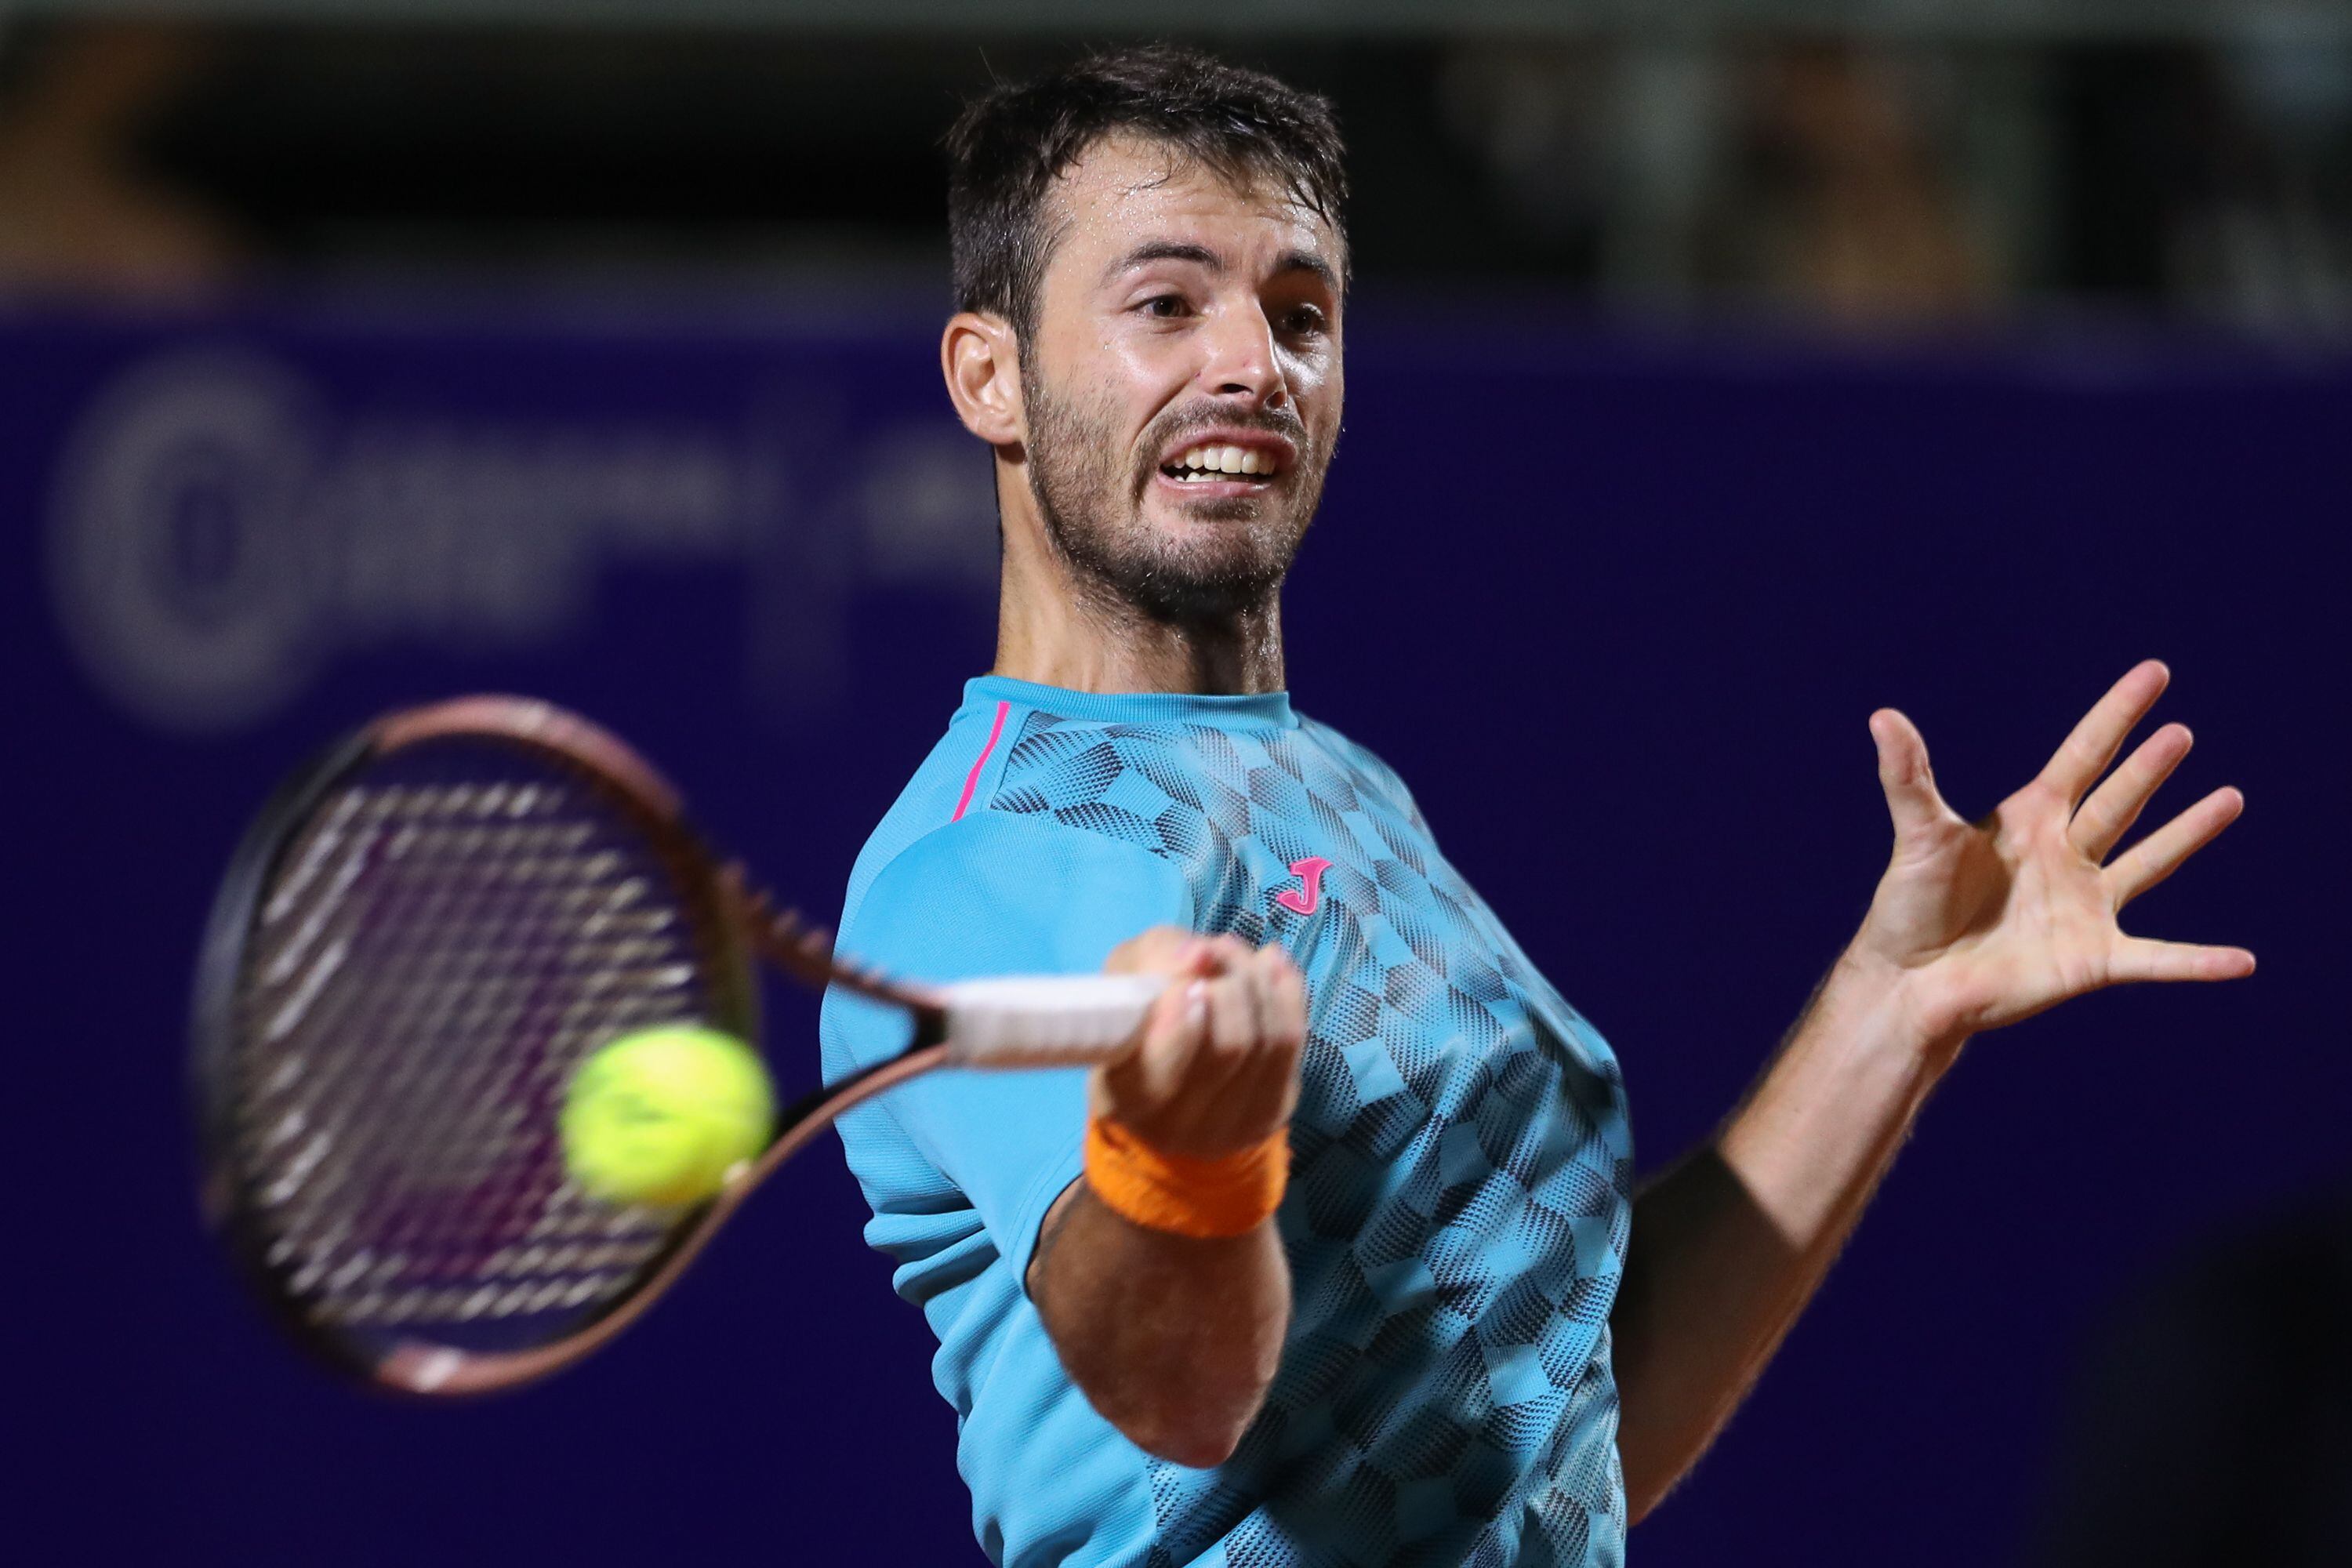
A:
x: 234, y: 515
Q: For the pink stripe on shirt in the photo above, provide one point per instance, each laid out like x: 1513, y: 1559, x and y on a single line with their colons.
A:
x: 972, y: 779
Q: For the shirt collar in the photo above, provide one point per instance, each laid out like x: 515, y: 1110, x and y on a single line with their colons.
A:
x: 1265, y: 710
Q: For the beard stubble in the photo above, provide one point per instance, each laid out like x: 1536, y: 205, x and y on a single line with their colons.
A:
x: 1090, y: 494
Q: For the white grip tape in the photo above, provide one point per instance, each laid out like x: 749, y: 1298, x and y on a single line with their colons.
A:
x: 1044, y: 1020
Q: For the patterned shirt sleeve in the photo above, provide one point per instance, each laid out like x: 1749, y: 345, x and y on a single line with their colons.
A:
x: 993, y: 894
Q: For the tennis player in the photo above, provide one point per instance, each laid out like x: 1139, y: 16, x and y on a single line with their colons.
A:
x: 1344, y: 1263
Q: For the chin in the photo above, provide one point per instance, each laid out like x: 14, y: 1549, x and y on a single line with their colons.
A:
x: 1189, y: 559
x: 1222, y: 581
x: 1215, y: 543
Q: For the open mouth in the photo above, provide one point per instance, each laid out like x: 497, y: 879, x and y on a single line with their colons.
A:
x: 1211, y: 463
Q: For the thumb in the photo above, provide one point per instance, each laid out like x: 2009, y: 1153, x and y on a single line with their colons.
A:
x: 1903, y: 773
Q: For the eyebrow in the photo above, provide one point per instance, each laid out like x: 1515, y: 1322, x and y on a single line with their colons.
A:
x: 1201, y: 255
x: 1308, y: 262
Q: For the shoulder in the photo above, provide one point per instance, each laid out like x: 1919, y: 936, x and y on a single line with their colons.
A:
x: 991, y: 848
x: 1368, y: 774
x: 941, y: 790
x: 994, y: 892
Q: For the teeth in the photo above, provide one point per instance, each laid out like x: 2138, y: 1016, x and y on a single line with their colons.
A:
x: 1206, y: 461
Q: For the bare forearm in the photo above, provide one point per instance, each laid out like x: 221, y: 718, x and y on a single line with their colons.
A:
x: 1173, y: 1340
x: 1731, y: 1244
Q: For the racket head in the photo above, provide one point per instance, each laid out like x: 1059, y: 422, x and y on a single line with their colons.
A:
x: 420, y: 936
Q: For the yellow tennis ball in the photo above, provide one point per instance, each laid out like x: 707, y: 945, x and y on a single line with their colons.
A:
x: 663, y: 1116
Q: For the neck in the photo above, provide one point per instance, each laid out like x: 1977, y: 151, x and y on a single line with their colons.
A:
x: 1058, y: 627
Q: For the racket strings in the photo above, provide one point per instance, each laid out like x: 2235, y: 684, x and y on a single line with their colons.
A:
x: 437, y: 956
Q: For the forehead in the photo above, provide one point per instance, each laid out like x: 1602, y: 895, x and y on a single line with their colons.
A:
x: 1125, y: 192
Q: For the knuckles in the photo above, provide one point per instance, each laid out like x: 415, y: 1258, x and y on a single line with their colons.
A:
x: 1252, y: 1002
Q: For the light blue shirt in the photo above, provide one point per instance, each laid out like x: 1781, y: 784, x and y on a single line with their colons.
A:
x: 1460, y: 1164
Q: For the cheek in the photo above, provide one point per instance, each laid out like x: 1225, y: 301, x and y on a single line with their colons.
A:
x: 1321, y: 401
x: 1151, y: 372
x: 1313, y: 376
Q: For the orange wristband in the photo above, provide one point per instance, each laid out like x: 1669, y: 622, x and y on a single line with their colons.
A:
x: 1200, y: 1198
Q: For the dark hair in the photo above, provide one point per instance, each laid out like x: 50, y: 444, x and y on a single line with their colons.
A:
x: 1007, y: 148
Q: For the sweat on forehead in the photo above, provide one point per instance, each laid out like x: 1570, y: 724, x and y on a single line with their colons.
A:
x: 1124, y: 181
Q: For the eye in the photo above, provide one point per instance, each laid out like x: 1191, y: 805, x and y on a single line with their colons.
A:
x: 1302, y: 321
x: 1165, y: 307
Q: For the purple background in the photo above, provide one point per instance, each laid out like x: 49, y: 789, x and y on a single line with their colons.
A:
x: 1617, y: 611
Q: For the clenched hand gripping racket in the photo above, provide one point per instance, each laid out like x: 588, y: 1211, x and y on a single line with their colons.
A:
x: 419, y: 939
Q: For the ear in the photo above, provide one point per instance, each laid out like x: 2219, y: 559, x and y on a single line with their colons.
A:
x: 983, y: 366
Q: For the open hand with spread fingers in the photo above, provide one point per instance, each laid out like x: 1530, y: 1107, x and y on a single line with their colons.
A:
x: 1990, y: 922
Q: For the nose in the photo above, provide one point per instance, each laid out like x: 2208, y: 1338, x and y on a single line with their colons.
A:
x: 1241, y: 361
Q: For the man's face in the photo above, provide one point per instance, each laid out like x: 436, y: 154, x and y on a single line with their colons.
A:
x: 1183, y: 386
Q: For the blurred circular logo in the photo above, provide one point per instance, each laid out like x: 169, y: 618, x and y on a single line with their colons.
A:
x: 180, y: 569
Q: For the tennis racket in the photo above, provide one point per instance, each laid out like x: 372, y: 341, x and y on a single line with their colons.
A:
x: 418, y: 940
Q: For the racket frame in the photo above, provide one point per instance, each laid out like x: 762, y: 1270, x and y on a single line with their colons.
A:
x: 738, y: 922
x: 732, y: 924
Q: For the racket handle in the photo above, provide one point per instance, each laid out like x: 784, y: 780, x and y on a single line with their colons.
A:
x: 1044, y: 1020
